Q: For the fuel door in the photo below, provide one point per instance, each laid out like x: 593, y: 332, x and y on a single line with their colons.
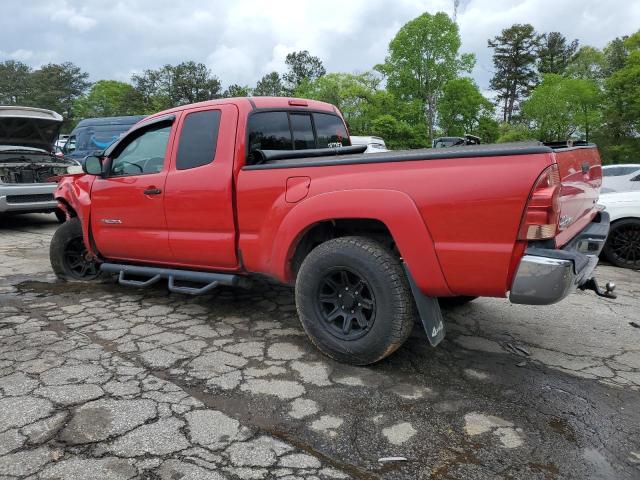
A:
x: 297, y: 188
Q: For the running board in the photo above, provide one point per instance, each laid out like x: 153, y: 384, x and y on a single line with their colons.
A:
x: 153, y: 275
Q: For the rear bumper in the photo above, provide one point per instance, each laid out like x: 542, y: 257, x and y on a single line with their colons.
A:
x: 547, y: 276
x: 31, y: 197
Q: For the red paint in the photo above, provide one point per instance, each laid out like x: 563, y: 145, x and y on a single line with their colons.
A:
x: 455, y: 221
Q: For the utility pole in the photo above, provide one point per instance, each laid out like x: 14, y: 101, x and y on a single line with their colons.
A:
x: 455, y: 10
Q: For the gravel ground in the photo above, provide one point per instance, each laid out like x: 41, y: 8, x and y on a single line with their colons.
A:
x: 102, y: 381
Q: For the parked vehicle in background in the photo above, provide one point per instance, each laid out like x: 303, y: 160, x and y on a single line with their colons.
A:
x: 621, y: 178
x: 374, y: 144
x: 446, y: 142
x: 29, y: 168
x: 218, y: 192
x: 62, y: 140
x: 93, y: 135
x: 623, y: 244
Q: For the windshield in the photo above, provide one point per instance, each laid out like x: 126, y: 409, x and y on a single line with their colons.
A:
x: 94, y: 138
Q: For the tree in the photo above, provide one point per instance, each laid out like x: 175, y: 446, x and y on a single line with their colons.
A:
x: 15, y: 83
x: 560, y: 108
x: 173, y: 85
x: 269, y: 86
x: 422, y: 58
x: 588, y: 63
x: 57, y: 86
x: 351, y: 93
x: 236, y: 90
x: 302, y: 66
x: 109, y: 98
x: 622, y: 102
x: 555, y: 53
x: 615, y: 55
x: 461, y: 107
x: 514, y: 132
x: 514, y: 56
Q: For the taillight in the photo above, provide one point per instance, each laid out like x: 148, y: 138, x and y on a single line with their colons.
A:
x: 542, y: 214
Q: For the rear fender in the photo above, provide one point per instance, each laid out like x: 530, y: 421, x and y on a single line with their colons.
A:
x: 393, y: 208
x: 75, y: 192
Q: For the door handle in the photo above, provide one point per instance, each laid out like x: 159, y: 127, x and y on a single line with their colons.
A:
x: 152, y: 191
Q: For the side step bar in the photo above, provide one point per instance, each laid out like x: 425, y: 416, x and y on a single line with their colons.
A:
x: 154, y: 275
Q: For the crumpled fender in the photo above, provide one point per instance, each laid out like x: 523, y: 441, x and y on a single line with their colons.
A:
x: 393, y: 208
x: 75, y: 191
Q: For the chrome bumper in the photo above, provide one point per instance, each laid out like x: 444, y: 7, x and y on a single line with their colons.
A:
x: 15, y: 197
x: 546, y: 276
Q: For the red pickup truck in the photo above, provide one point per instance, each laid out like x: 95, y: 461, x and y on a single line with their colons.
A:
x: 219, y: 192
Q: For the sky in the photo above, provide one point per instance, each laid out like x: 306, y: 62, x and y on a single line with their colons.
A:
x: 242, y: 40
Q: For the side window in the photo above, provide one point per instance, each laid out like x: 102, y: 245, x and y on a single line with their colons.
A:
x: 269, y: 131
x: 144, y: 153
x: 70, y: 146
x: 302, y: 130
x: 331, y: 131
x: 198, y: 139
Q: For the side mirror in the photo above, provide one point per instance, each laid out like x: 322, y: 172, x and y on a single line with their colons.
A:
x: 92, y: 165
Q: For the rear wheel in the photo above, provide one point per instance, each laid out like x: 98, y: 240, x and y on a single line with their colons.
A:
x: 354, y: 300
x: 623, y: 244
x: 69, y: 256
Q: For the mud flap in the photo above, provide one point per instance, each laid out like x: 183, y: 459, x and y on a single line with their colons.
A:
x: 429, y: 311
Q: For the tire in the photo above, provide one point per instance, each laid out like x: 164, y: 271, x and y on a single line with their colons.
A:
x: 452, y: 302
x: 623, y: 244
x: 380, y: 296
x: 67, y: 254
x: 60, y: 215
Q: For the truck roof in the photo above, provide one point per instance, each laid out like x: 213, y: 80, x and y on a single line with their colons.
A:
x: 254, y: 103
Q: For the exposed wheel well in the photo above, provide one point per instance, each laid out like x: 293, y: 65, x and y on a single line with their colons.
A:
x: 329, y: 229
x: 68, y: 208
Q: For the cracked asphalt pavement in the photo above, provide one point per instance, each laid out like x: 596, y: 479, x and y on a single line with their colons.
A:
x: 102, y: 381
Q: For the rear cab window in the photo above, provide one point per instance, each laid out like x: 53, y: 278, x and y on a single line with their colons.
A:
x: 294, y: 130
x: 198, y: 139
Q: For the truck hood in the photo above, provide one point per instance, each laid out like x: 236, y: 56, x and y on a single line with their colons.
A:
x: 29, y: 127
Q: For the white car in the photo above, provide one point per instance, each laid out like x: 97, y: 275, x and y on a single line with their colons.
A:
x: 374, y: 144
x: 621, y: 178
x: 623, y: 244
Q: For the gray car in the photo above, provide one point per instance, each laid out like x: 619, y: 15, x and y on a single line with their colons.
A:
x: 29, y: 170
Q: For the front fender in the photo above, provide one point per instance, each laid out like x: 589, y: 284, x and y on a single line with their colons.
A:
x: 393, y: 208
x: 75, y: 191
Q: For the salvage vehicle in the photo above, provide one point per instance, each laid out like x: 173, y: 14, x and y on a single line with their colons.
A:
x: 220, y: 192
x: 29, y: 169
x: 623, y: 243
x: 93, y: 135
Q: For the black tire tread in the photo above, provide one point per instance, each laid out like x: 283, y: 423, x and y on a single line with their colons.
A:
x: 391, y: 268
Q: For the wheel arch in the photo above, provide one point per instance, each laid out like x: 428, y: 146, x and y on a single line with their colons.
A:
x: 388, y: 214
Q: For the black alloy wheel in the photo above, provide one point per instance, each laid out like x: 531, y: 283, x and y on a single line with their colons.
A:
x: 346, y: 304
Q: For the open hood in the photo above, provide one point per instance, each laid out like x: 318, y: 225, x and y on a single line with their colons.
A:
x: 29, y: 127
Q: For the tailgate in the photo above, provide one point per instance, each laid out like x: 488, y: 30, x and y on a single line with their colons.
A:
x: 581, y: 176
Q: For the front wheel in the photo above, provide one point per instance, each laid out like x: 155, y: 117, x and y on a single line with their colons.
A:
x: 623, y: 244
x: 69, y: 256
x: 354, y: 300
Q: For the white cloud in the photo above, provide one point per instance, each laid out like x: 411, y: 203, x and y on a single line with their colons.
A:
x: 243, y: 40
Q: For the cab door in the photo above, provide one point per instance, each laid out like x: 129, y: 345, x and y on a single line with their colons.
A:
x: 199, y: 190
x: 127, y: 205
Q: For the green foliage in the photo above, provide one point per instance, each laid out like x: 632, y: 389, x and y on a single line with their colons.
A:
x: 555, y: 53
x: 461, y: 107
x: 422, y: 58
x: 57, y: 87
x: 269, y: 86
x: 588, y: 63
x: 236, y: 90
x: 514, y: 132
x: 514, y: 58
x: 15, y: 83
x: 302, y: 66
x: 561, y: 108
x: 109, y: 98
x: 173, y: 85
